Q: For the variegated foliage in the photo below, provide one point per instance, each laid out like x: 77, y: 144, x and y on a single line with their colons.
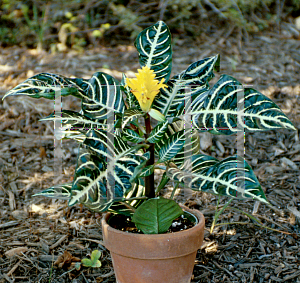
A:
x: 229, y: 108
x: 155, y: 50
x: 103, y: 97
x: 45, y: 85
x: 230, y: 177
x: 191, y: 84
x: 110, y: 166
x: 104, y: 168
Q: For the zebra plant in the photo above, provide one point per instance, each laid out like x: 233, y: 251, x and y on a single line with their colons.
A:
x: 128, y: 129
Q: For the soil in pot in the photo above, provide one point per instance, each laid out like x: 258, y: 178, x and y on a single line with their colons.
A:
x: 124, y: 223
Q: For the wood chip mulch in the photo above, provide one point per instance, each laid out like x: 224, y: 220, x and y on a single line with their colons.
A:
x: 35, y: 233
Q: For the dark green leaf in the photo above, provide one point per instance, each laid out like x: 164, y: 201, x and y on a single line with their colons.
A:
x: 131, y: 115
x: 190, y: 85
x: 94, y: 185
x: 58, y: 192
x: 219, y: 113
x: 103, y: 97
x: 155, y: 51
x: 155, y: 216
x: 173, y: 145
x: 158, y: 132
x: 231, y: 177
x: 45, y: 84
x: 132, y: 136
x: 146, y: 171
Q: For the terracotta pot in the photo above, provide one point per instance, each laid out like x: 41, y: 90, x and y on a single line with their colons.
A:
x: 155, y: 258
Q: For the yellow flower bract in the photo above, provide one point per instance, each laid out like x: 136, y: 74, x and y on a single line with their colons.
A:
x: 145, y: 87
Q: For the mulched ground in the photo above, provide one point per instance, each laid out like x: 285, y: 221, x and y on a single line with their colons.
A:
x: 34, y: 232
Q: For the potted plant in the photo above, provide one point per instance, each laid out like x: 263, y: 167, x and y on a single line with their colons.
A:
x: 128, y: 129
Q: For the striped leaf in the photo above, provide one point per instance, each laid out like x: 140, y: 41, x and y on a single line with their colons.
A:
x: 132, y: 136
x: 73, y: 120
x: 138, y: 169
x: 58, y: 192
x: 231, y: 177
x: 191, y: 142
x: 158, y: 132
x: 92, y: 182
x: 172, y: 146
x: 191, y: 84
x: 155, y: 51
x: 190, y: 148
x: 146, y: 171
x: 103, y: 97
x: 131, y: 115
x: 130, y: 98
x: 45, y: 84
x: 135, y: 192
x: 219, y: 113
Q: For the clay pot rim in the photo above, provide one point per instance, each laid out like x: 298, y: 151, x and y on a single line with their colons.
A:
x: 199, y: 216
x: 147, y: 246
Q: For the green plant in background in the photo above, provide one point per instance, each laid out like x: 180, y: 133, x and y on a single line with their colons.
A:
x: 128, y: 129
x: 37, y: 24
x: 128, y: 19
x: 94, y: 261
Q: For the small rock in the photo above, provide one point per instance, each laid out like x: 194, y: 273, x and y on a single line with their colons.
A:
x: 297, y: 23
x: 220, y: 147
x: 16, y: 251
x: 19, y: 214
x: 289, y: 162
x: 205, y: 141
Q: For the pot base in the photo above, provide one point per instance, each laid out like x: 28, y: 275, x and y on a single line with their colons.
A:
x: 154, y: 271
x: 154, y: 258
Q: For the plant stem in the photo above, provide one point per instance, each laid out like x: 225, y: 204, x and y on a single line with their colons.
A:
x: 149, y: 180
x: 174, y: 190
x: 128, y: 206
x: 256, y: 224
x: 135, y: 198
x: 217, y: 214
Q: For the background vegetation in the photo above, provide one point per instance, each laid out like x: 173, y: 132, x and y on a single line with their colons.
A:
x: 58, y: 25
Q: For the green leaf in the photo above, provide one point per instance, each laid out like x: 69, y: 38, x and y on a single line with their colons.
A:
x: 191, y: 84
x: 72, y: 120
x: 131, y: 115
x: 173, y: 145
x: 58, y: 192
x: 191, y: 141
x: 146, y: 171
x: 155, y: 51
x: 158, y: 132
x: 103, y: 96
x: 138, y: 169
x: 94, y: 185
x: 77, y: 266
x: 45, y: 84
x: 94, y: 261
x: 132, y: 136
x: 231, y: 177
x: 218, y: 113
x: 137, y: 191
x: 155, y: 216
